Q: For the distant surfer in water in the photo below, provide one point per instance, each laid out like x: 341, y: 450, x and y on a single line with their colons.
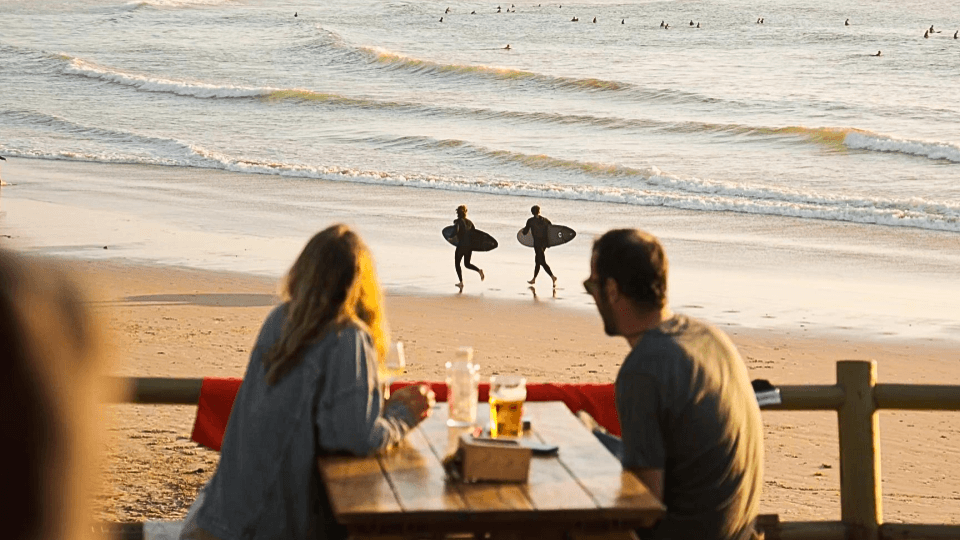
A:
x: 878, y: 54
x: 538, y: 226
x: 463, y: 228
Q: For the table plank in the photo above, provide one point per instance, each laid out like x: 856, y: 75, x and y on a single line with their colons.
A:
x: 479, y: 497
x: 405, y: 491
x: 551, y: 486
x: 356, y: 485
x: 417, y: 477
x: 599, y: 472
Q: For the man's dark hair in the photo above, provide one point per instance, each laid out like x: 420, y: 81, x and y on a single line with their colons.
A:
x: 534, y: 209
x: 635, y: 260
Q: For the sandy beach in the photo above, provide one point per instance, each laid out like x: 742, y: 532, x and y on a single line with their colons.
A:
x: 174, y: 322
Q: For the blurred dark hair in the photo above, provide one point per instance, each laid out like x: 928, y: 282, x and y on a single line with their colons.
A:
x: 535, y: 209
x: 635, y: 260
x: 462, y: 209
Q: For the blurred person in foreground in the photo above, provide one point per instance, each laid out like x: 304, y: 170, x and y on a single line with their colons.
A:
x: 691, y: 427
x: 311, y: 388
x: 51, y: 369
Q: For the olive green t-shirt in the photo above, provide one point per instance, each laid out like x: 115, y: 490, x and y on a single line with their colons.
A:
x: 686, y: 406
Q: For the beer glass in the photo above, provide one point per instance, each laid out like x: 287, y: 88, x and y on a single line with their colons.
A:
x: 507, y: 394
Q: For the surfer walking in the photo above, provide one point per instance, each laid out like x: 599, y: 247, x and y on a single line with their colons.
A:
x: 463, y: 230
x: 538, y: 227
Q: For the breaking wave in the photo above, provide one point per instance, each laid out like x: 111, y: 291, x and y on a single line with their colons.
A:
x: 634, y: 186
x: 881, y: 143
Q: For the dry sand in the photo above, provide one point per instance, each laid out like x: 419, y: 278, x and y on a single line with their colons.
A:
x: 169, y: 322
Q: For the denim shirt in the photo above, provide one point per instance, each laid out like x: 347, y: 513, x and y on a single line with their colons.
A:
x: 266, y: 485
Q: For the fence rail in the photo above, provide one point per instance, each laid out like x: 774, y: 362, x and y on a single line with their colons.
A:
x: 856, y: 398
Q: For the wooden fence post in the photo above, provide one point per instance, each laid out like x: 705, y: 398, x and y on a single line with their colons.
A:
x: 860, y: 491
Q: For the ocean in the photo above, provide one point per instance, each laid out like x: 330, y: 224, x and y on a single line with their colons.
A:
x: 797, y: 180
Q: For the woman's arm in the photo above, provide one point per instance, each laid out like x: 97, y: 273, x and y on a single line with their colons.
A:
x: 349, y: 416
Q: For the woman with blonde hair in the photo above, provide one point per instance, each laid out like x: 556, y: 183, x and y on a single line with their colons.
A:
x: 310, y: 388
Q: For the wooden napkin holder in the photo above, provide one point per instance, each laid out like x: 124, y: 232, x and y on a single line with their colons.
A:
x: 482, y: 459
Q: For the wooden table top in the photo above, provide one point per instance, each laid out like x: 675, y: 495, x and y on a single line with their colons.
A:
x: 583, y: 486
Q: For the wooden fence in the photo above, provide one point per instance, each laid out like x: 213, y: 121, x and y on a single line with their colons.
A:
x: 856, y: 397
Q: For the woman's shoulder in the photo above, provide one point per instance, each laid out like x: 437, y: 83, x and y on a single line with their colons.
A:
x: 353, y: 330
x: 345, y: 336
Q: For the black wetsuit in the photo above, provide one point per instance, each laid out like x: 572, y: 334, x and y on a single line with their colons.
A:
x: 463, y: 229
x: 538, y: 227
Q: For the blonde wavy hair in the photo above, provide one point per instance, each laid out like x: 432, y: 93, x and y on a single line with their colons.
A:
x: 333, y: 284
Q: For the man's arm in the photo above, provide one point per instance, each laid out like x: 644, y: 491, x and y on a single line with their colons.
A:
x: 526, y: 229
x: 644, y: 450
x: 653, y: 479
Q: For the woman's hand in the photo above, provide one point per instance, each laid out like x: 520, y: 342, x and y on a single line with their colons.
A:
x: 418, y: 400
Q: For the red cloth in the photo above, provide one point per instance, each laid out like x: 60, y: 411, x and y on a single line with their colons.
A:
x: 217, y: 395
x: 213, y: 411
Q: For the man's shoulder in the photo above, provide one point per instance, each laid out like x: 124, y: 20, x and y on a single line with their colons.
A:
x: 678, y: 340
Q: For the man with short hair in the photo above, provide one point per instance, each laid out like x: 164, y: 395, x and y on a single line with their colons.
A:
x: 538, y: 227
x: 691, y: 427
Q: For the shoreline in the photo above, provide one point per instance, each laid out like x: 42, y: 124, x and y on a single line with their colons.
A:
x: 775, y: 273
x: 175, y: 322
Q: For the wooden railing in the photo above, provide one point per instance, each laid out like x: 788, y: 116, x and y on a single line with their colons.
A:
x: 856, y: 398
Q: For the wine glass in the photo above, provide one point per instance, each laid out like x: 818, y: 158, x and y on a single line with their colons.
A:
x: 392, y: 367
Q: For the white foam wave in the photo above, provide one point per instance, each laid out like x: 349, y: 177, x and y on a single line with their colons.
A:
x: 151, y: 84
x: 689, y: 195
x: 656, y: 189
x: 928, y: 149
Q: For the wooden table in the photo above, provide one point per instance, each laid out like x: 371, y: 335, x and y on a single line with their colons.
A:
x: 405, y: 492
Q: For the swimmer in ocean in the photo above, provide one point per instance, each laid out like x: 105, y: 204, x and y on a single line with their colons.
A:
x: 846, y: 22
x: 878, y: 54
x: 507, y: 47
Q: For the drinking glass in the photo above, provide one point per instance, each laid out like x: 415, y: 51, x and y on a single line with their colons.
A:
x: 507, y: 394
x: 392, y: 367
x: 463, y: 377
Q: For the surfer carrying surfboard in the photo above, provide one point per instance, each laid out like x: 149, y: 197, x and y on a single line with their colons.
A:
x: 463, y: 229
x: 538, y: 226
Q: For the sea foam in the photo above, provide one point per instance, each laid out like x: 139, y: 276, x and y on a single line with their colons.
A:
x: 151, y: 84
x: 927, y: 149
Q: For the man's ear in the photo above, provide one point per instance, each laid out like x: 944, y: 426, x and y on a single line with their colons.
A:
x: 612, y: 290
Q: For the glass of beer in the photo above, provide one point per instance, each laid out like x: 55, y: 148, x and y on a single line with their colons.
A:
x: 507, y: 394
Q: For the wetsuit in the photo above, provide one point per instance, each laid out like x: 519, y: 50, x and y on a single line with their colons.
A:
x: 463, y: 229
x: 538, y: 226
